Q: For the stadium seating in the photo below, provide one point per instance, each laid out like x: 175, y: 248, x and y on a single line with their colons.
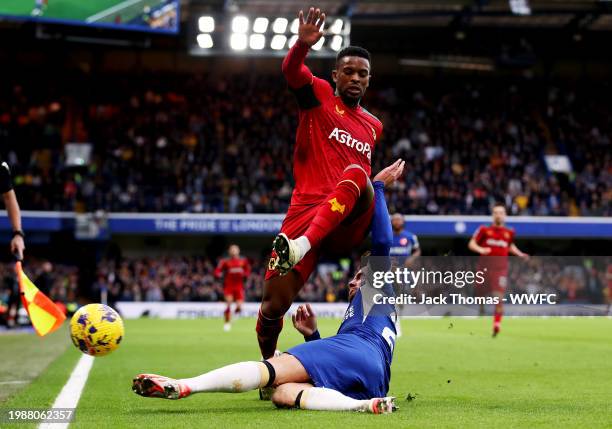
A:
x: 174, y: 144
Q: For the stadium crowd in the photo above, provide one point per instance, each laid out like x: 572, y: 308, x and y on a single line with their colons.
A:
x: 58, y: 281
x: 196, y: 144
x: 192, y: 279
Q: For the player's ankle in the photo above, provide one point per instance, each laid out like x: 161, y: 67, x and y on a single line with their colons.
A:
x: 303, y: 244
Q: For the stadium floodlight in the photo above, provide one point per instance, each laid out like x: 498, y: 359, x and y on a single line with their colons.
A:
x: 336, y: 27
x: 280, y: 25
x: 206, y: 24
x: 520, y: 7
x: 240, y: 24
x: 257, y: 41
x: 205, y: 41
x: 295, y: 25
x: 336, y: 43
x: 260, y: 25
x: 319, y: 44
x: 278, y: 42
x: 292, y: 41
x: 238, y: 42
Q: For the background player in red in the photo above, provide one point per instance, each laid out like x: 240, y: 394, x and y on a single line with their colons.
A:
x: 333, y: 196
x: 235, y: 270
x: 495, y: 242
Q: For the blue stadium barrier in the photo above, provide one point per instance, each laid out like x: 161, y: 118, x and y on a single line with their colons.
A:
x: 269, y: 224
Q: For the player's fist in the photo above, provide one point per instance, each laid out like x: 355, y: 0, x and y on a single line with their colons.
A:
x: 17, y: 247
x: 309, y: 30
x: 484, y: 251
x: 304, y: 320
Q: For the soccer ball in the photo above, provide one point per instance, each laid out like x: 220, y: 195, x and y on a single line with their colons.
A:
x: 96, y: 329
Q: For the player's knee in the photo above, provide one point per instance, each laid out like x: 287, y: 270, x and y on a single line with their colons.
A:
x: 363, y: 203
x: 357, y: 166
x: 283, y: 397
x: 356, y: 175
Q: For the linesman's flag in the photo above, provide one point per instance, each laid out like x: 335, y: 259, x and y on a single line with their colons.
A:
x: 45, y: 316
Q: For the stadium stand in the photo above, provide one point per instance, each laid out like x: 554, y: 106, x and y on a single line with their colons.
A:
x: 195, y: 144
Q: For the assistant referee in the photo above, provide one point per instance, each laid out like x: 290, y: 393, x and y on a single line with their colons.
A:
x: 12, y: 208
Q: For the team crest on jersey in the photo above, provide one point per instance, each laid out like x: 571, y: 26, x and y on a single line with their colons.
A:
x: 339, y: 111
x: 350, y: 312
x: 507, y: 235
x: 336, y: 206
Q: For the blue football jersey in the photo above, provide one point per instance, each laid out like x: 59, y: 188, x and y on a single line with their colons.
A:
x: 378, y: 327
x: 404, y: 245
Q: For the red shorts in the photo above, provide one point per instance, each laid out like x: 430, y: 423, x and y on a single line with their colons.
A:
x: 495, y: 284
x: 344, y: 238
x: 237, y: 292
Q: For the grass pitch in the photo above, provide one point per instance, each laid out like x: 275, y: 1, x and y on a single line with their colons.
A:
x: 538, y: 373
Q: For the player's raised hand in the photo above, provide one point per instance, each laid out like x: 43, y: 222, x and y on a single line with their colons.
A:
x: 391, y: 173
x: 304, y: 320
x: 309, y: 31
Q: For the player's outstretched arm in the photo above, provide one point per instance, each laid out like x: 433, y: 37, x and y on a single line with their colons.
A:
x: 382, y: 233
x: 517, y: 252
x: 309, y: 33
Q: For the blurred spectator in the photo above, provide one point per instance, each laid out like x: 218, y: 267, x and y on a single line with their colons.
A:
x: 188, y: 144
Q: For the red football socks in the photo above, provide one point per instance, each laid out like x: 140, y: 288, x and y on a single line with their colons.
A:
x: 497, y: 318
x: 268, y: 331
x: 338, y: 205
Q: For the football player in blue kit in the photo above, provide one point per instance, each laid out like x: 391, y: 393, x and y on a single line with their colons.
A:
x: 404, y: 251
x: 349, y: 371
x: 405, y: 248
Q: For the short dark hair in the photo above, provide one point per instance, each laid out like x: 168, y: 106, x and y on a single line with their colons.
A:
x: 499, y: 204
x: 353, y: 51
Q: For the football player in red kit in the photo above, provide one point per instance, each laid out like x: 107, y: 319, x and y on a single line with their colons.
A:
x: 332, y: 203
x: 235, y: 270
x: 494, y: 243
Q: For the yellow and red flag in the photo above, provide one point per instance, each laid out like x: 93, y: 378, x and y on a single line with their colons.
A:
x: 45, y: 316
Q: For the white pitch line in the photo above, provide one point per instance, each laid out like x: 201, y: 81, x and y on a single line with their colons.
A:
x: 14, y: 382
x: 110, y: 10
x: 71, y: 392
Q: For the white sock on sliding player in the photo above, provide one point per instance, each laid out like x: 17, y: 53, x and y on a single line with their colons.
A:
x: 323, y: 399
x: 239, y: 377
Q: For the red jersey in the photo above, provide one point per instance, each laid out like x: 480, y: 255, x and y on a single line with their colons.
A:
x: 498, y: 239
x: 330, y: 135
x: 234, y: 271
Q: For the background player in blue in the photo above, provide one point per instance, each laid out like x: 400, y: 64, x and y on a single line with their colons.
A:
x: 405, y: 251
x: 349, y: 371
x: 405, y: 248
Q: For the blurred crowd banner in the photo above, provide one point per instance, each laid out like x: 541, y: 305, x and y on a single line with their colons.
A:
x: 269, y: 224
x: 468, y: 285
x: 438, y: 286
x: 198, y: 310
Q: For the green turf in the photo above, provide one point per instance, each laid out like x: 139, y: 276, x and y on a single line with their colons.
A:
x: 23, y: 356
x: 537, y: 373
x: 78, y: 10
